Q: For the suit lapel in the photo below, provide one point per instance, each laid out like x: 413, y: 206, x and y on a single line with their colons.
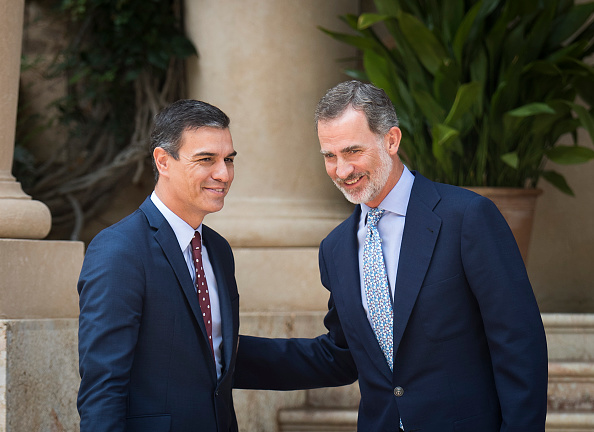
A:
x: 346, y: 261
x: 165, y: 237
x: 421, y: 230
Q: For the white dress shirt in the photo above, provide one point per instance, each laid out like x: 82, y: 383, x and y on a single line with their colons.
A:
x: 390, y: 227
x: 184, y: 233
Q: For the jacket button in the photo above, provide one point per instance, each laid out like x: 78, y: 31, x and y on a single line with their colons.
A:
x: 216, y: 393
x: 398, y: 391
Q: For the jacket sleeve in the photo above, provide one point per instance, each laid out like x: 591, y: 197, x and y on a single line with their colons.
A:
x: 513, y: 326
x: 298, y: 363
x: 111, y: 289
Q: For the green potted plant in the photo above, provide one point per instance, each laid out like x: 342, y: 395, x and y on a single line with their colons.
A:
x: 483, y: 89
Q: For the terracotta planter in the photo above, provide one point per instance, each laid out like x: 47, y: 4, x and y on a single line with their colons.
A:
x: 517, y: 207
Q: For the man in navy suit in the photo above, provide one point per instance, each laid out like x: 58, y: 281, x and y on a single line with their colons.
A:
x: 437, y: 320
x: 159, y: 308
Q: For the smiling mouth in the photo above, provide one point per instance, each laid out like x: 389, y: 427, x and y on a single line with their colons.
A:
x: 351, y: 180
x: 216, y: 190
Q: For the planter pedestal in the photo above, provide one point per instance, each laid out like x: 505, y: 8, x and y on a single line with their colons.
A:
x: 517, y: 207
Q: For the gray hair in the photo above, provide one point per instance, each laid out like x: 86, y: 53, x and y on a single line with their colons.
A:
x: 174, y: 120
x: 374, y: 102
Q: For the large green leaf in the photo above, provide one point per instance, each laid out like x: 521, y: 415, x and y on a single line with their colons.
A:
x: 359, y: 42
x: 379, y: 72
x: 585, y: 118
x: 531, y: 109
x: 512, y: 159
x: 368, y: 19
x: 568, y: 155
x: 461, y: 36
x: 427, y: 47
x: 468, y: 95
x: 558, y: 181
x: 443, y: 137
x: 568, y: 24
x: 429, y: 106
x: 388, y: 7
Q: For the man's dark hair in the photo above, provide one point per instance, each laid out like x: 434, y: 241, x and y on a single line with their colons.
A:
x: 185, y: 114
x: 374, y: 102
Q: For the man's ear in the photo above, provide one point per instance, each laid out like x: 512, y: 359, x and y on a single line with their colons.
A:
x: 393, y: 138
x: 161, y: 161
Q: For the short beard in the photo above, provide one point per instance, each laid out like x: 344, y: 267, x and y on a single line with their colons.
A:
x: 377, y: 181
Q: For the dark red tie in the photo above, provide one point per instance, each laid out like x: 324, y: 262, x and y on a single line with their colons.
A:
x: 202, y: 286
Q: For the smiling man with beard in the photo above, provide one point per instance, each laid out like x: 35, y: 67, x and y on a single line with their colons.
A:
x: 430, y: 305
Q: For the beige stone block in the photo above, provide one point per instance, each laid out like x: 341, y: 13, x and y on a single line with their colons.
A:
x: 279, y: 279
x: 39, y: 278
x: 570, y: 337
x: 570, y: 422
x: 38, y: 375
x: 278, y: 222
x: 306, y: 420
x: 571, y: 387
x: 257, y: 410
x: 335, y: 397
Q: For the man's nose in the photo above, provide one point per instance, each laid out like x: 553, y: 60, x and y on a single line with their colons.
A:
x: 221, y: 172
x: 343, y: 168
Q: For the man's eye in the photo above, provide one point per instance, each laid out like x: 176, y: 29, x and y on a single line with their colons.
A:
x: 229, y: 160
x: 328, y: 155
x: 205, y: 159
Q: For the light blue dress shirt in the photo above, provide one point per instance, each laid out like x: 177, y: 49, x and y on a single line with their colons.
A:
x: 390, y: 227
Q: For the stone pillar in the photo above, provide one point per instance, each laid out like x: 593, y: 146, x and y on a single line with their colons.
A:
x: 38, y: 300
x: 266, y: 64
x: 20, y: 216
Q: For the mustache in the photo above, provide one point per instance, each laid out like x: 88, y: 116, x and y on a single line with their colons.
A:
x: 350, y: 177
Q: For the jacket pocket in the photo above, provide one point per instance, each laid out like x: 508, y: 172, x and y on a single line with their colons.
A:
x: 153, y: 423
x: 488, y: 422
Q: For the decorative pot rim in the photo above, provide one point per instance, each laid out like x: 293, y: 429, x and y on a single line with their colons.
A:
x: 504, y: 191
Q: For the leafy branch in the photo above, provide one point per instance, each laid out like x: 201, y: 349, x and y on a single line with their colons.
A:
x: 123, y: 63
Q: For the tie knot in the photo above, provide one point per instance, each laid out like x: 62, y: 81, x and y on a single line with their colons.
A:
x: 196, y: 243
x: 374, y: 216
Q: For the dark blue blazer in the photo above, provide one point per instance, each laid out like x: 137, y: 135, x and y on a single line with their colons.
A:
x: 469, y: 344
x: 145, y: 361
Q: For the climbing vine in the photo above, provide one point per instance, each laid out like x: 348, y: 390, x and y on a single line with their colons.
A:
x: 123, y: 63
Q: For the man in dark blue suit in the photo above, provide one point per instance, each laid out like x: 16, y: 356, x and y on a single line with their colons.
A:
x: 430, y: 305
x: 159, y: 308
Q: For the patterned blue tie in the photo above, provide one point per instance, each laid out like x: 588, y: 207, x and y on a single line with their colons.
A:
x: 377, y: 289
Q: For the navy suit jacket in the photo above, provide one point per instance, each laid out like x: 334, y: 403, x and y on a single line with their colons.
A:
x: 469, y: 344
x: 145, y: 360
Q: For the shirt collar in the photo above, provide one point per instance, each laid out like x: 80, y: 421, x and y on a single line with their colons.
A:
x: 397, y: 199
x: 183, y: 232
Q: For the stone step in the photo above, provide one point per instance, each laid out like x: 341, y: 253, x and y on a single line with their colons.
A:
x: 317, y: 420
x: 345, y: 420
x: 569, y: 422
x: 571, y: 387
x: 570, y: 337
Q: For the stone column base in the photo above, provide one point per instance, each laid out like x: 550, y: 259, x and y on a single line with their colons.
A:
x: 38, y: 375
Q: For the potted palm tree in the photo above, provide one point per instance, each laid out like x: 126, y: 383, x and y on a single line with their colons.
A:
x: 484, y: 89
